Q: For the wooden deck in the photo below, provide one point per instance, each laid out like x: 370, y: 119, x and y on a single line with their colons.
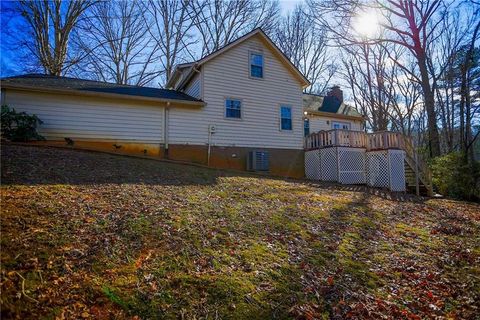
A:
x: 356, y: 139
x: 417, y: 173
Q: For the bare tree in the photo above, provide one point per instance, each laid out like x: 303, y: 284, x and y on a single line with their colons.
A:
x: 50, y: 24
x: 467, y: 63
x: 405, y: 96
x: 366, y: 68
x: 412, y: 24
x: 221, y: 21
x: 305, y: 45
x: 169, y: 26
x: 117, y: 48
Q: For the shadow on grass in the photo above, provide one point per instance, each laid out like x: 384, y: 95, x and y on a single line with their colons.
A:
x: 31, y: 165
x: 383, y: 193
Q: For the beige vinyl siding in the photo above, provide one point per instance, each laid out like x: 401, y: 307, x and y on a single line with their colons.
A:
x: 227, y: 76
x: 194, y: 88
x: 85, y: 118
x: 318, y: 123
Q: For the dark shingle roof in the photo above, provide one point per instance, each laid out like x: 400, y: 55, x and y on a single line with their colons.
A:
x: 66, y: 83
x: 329, y: 104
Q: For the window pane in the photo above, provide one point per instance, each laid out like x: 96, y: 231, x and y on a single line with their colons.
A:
x: 256, y: 65
x: 256, y: 71
x: 286, y: 112
x: 256, y: 59
x: 233, y: 113
x: 286, y: 124
x: 286, y: 118
x: 233, y: 108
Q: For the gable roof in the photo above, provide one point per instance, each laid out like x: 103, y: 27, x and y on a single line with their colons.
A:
x: 267, y: 41
x: 329, y: 106
x: 50, y: 83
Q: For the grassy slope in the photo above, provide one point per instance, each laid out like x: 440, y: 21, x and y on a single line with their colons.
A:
x: 96, y: 235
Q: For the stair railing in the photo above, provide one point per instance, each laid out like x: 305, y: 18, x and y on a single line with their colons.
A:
x: 415, y: 161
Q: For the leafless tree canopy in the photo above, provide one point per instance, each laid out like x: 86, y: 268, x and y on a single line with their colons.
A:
x: 218, y: 22
x: 170, y: 27
x: 50, y: 24
x: 415, y: 25
x: 305, y: 44
x: 113, y: 37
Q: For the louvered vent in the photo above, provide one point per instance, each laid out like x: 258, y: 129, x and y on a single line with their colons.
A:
x: 258, y: 161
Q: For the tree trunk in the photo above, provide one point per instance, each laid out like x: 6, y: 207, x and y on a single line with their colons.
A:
x: 428, y: 94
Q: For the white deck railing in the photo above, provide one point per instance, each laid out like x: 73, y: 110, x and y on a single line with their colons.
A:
x: 355, y: 139
x: 336, y: 138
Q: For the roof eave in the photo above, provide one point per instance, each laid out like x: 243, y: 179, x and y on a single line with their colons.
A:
x: 334, y: 115
x: 183, y: 103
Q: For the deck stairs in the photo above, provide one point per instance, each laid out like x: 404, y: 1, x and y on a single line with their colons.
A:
x: 417, y: 174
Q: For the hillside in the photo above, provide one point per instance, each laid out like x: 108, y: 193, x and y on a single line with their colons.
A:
x: 92, y: 235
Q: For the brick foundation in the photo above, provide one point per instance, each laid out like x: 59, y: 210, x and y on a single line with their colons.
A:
x: 283, y: 162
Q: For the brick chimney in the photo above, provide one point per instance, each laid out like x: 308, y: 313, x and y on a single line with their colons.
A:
x: 336, y: 92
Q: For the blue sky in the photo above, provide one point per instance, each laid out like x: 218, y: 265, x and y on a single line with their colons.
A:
x: 9, y: 62
x: 288, y: 5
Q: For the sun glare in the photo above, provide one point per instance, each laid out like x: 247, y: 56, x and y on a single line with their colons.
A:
x: 366, y: 24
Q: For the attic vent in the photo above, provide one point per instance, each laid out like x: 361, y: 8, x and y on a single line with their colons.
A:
x: 257, y: 161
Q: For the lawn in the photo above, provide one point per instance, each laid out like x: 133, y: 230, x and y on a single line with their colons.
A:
x: 92, y: 235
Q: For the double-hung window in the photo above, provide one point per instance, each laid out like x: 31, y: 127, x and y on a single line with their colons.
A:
x: 256, y: 65
x: 341, y: 125
x: 233, y: 108
x: 285, y: 118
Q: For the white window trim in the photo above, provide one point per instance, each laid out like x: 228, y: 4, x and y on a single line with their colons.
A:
x: 225, y: 108
x: 280, y: 117
x: 250, y: 52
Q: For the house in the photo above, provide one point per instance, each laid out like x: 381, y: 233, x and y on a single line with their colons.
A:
x: 247, y: 96
x: 330, y: 112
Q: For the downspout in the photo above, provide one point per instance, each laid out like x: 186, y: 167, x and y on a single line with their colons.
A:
x: 208, y: 150
x: 165, y: 129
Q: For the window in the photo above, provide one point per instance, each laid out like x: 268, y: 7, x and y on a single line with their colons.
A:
x: 256, y: 65
x: 233, y: 108
x: 285, y: 118
x: 341, y: 125
x: 306, y: 127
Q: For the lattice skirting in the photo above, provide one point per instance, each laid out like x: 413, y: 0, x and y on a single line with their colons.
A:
x: 381, y: 169
x: 351, y: 165
x: 312, y: 165
x: 385, y: 169
x: 328, y: 164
